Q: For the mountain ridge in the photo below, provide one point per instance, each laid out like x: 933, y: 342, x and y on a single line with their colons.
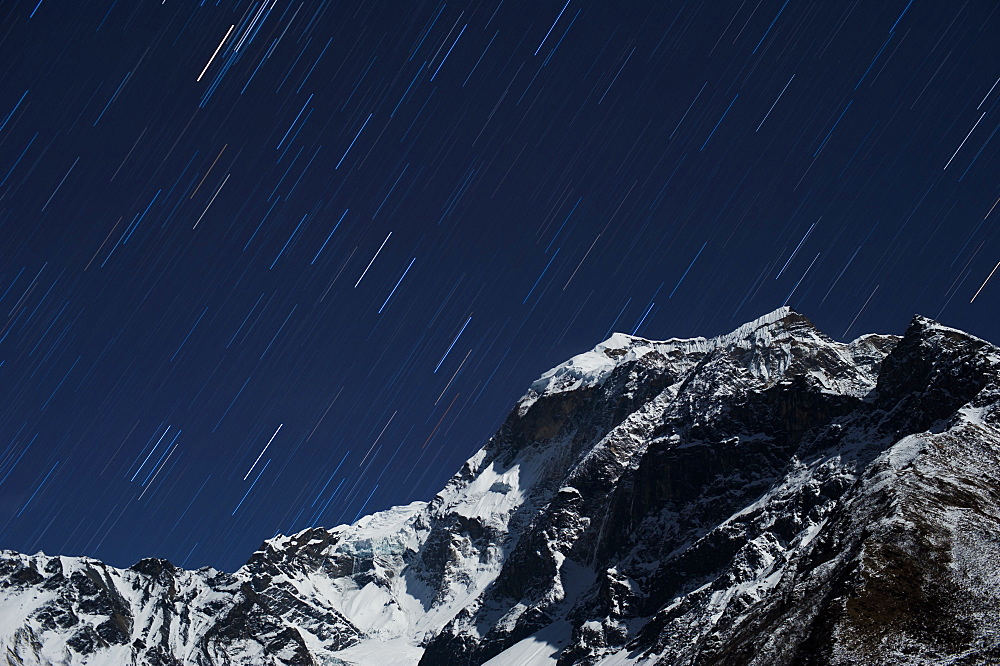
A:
x: 687, y: 501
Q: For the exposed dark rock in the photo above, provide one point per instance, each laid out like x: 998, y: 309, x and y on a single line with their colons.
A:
x: 767, y: 497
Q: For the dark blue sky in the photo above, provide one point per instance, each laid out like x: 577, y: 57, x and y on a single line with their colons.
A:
x: 270, y: 264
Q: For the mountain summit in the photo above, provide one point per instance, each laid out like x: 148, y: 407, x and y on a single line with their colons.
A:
x: 769, y: 496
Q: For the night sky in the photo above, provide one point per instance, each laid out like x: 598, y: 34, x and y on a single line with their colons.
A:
x: 273, y: 264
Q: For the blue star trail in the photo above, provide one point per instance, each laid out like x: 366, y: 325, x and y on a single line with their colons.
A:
x: 269, y: 265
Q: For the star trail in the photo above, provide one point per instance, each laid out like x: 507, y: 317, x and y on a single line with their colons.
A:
x: 269, y: 264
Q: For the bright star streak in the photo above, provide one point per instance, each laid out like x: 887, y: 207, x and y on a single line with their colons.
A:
x: 453, y: 343
x: 259, y: 474
x: 552, y: 28
x: 688, y: 269
x: 150, y: 453
x: 796, y: 251
x: 861, y: 310
x: 261, y: 454
x: 775, y: 104
x: 965, y: 139
x: 217, y: 48
x: 212, y: 201
x: 352, y: 142
x: 372, y: 261
x: 986, y: 280
x: 397, y: 285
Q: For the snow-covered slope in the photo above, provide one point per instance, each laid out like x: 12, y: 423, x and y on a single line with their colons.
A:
x: 768, y: 496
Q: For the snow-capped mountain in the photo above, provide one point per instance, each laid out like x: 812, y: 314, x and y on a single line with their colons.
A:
x: 769, y: 496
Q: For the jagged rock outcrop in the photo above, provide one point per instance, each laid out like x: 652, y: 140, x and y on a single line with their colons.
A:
x: 770, y: 496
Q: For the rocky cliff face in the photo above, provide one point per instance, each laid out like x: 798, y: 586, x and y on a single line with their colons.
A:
x: 770, y: 496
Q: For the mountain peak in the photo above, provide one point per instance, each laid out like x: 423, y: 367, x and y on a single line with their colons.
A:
x: 695, y: 501
x: 593, y: 367
x: 783, y: 322
x: 774, y: 316
x: 921, y: 326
